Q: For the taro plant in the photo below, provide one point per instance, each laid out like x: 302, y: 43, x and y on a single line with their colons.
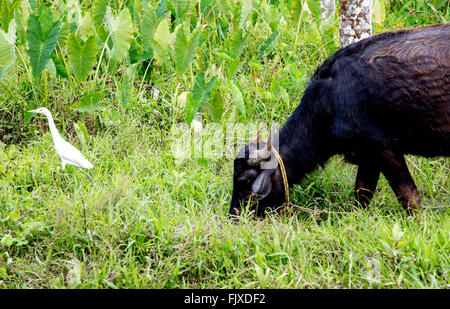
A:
x: 140, y: 44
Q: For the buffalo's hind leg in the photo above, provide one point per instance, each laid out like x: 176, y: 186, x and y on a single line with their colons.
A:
x: 394, y: 168
x: 366, y: 183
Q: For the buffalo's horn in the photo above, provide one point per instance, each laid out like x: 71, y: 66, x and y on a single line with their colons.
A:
x: 257, y: 137
x: 269, y: 140
x: 259, y: 155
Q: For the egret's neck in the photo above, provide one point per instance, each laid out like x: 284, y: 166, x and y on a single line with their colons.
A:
x: 53, y: 130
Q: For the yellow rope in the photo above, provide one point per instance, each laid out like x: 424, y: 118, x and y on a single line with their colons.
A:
x: 283, y: 174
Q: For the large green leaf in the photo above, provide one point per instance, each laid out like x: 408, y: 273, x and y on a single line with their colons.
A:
x: 64, y: 32
x: 149, y: 24
x: 200, y: 95
x: 315, y: 8
x: 3, y: 69
x: 162, y: 33
x: 245, y: 11
x: 101, y: 34
x: 42, y: 35
x: 161, y: 41
x: 59, y: 64
x: 268, y: 45
x: 121, y: 30
x: 7, y: 12
x: 21, y: 15
x: 161, y: 8
x: 7, y: 40
x: 148, y: 29
x: 181, y: 7
x: 90, y: 102
x: 87, y: 25
x: 82, y: 132
x: 82, y: 55
x: 273, y: 16
x: 98, y: 11
x: 216, y: 106
x: 123, y: 92
x: 7, y: 52
x: 50, y: 67
x: 238, y: 43
x: 33, y: 4
x: 238, y: 99
x: 296, y: 11
x: 135, y: 53
x: 160, y: 53
x: 184, y: 50
x: 73, y: 12
x: 27, y: 116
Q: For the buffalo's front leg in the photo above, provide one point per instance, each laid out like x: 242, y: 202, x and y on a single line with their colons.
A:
x: 366, y: 183
x: 394, y: 168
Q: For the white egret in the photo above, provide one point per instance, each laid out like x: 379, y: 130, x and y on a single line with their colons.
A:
x: 66, y: 152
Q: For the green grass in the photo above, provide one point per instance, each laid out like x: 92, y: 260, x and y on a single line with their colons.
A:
x: 150, y: 221
x: 147, y: 222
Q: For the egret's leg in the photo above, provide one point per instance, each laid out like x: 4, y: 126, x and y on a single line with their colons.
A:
x: 63, y: 163
x: 86, y: 174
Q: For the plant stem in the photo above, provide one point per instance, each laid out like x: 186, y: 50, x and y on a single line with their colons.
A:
x: 44, y: 78
x: 33, y: 86
x: 72, y: 88
x: 100, y: 60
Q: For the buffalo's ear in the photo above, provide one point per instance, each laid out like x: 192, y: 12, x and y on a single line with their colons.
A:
x: 262, y: 184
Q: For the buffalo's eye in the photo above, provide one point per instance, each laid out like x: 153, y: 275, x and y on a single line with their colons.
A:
x: 247, y: 177
x: 244, y: 183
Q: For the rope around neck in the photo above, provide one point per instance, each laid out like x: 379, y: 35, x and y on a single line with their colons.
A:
x: 283, y: 174
x: 316, y: 211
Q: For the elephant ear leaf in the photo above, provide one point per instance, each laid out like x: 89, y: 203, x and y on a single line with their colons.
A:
x: 149, y: 24
x: 42, y: 35
x: 82, y: 56
x: 184, y: 50
x: 7, y: 53
x: 121, y: 29
x: 98, y: 11
x: 199, y: 96
x: 315, y: 8
x: 245, y: 11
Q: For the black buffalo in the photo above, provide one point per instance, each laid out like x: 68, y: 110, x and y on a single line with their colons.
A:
x: 373, y: 101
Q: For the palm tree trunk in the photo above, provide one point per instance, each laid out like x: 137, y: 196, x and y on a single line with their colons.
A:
x: 356, y: 21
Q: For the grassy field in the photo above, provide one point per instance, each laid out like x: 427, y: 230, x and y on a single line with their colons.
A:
x: 151, y: 221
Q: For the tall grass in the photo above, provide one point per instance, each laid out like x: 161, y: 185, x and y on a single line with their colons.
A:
x: 150, y: 221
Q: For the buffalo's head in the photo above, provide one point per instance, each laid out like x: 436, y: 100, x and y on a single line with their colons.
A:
x: 257, y: 179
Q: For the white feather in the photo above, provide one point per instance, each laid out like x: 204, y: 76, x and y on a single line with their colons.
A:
x: 66, y: 151
x: 71, y: 155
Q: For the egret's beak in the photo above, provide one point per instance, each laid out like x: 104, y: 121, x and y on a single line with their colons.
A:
x: 33, y: 111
